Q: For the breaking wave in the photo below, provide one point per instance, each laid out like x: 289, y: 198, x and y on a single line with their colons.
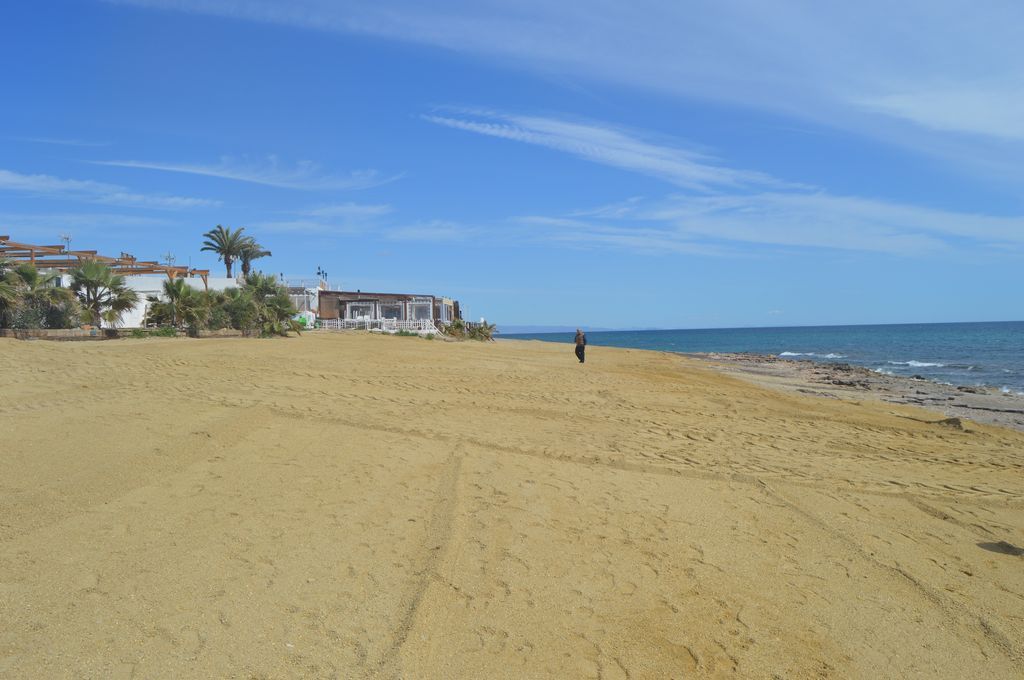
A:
x: 830, y: 355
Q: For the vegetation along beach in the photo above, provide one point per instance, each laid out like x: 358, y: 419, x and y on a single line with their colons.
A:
x: 351, y: 505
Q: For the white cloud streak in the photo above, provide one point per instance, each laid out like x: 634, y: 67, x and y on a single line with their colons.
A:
x: 432, y: 230
x: 348, y: 211
x: 58, y: 142
x: 94, y: 192
x: 729, y: 225
x: 49, y: 225
x: 610, y: 146
x: 364, y: 219
x: 305, y: 175
x: 989, y: 109
x: 340, y: 218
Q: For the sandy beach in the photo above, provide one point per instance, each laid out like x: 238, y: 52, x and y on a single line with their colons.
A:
x: 351, y: 506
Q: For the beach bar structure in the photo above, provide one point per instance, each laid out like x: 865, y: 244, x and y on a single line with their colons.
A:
x: 357, y: 308
x: 145, y: 277
x: 58, y: 258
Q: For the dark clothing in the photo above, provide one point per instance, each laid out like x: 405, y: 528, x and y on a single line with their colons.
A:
x: 581, y: 346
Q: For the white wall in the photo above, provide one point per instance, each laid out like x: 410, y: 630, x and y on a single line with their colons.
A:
x: 153, y: 284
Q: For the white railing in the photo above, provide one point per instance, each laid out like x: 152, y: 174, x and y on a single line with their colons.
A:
x: 386, y: 325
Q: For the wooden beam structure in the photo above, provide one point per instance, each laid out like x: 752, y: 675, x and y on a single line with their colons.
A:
x: 60, y: 259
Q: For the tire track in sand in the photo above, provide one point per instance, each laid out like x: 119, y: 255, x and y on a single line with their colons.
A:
x: 958, y: 614
x: 435, y: 546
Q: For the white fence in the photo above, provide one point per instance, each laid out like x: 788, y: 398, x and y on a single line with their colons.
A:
x: 386, y: 325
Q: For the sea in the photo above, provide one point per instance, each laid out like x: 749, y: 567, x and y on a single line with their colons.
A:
x: 976, y: 354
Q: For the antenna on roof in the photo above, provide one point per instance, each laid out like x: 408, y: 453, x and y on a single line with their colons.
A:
x: 169, y: 258
x: 66, y: 238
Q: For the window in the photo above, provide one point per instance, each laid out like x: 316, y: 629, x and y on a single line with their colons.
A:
x: 391, y: 310
x: 421, y: 311
x: 360, y: 310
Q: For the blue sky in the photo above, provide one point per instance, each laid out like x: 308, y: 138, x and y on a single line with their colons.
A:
x: 641, y: 164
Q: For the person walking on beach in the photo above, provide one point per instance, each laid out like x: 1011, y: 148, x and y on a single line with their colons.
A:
x: 581, y: 345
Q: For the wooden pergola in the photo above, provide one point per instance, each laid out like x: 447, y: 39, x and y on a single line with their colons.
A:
x: 60, y: 259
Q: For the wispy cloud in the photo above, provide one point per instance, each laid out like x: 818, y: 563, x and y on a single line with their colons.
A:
x: 993, y: 109
x: 59, y: 142
x: 367, y: 219
x: 338, y: 218
x: 831, y: 221
x: 605, y: 144
x: 94, y: 192
x: 304, y: 175
x: 49, y: 225
x: 720, y: 225
x: 432, y: 230
x: 348, y: 211
x: 648, y: 240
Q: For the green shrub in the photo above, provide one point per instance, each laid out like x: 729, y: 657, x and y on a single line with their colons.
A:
x: 460, y: 330
x: 219, y: 318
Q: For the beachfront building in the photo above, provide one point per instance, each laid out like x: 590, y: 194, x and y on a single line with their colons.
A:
x: 305, y: 294
x: 153, y: 286
x: 145, y: 277
x: 354, y: 308
x: 305, y: 298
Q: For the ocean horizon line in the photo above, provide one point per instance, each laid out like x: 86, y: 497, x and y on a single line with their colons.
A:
x: 521, y: 329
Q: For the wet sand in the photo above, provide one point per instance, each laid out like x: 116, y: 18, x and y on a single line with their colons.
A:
x: 342, y: 505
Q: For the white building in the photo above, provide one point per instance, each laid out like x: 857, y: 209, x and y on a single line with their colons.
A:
x: 147, y: 285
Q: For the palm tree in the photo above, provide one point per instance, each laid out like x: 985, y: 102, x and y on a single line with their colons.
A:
x: 241, y: 309
x: 36, y: 285
x: 36, y: 293
x: 8, y: 298
x: 251, y: 250
x: 104, y: 295
x: 186, y: 305
x: 226, y: 243
x: 8, y: 292
x: 274, y: 309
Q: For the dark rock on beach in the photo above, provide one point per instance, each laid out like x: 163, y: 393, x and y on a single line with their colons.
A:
x: 844, y: 381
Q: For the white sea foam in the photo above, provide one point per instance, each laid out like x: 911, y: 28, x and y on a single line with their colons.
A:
x: 830, y: 355
x: 915, y: 364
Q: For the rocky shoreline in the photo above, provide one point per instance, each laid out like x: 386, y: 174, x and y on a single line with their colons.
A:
x: 843, y: 381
